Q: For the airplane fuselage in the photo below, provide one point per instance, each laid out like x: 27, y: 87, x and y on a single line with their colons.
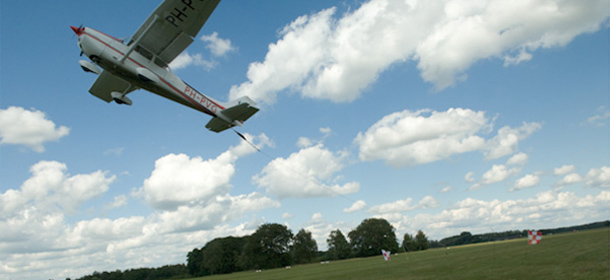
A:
x: 142, y: 69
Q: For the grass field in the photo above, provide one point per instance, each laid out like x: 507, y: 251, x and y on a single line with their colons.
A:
x: 577, y: 255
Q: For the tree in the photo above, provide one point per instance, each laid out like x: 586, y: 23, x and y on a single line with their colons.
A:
x: 220, y: 255
x: 338, y: 248
x: 421, y: 241
x: 371, y: 236
x: 268, y: 247
x: 194, y: 263
x: 408, y: 243
x: 304, y: 247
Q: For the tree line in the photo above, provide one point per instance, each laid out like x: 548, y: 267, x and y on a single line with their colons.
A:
x: 160, y: 273
x: 468, y: 238
x: 274, y: 245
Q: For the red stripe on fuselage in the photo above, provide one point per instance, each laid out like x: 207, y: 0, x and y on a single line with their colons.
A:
x: 183, y: 94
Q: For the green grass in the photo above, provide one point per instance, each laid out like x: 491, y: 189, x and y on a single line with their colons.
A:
x: 578, y: 255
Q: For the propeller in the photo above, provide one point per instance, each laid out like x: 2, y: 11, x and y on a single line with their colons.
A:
x: 77, y: 30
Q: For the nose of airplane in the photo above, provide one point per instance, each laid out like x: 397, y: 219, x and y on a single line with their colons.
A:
x: 77, y: 30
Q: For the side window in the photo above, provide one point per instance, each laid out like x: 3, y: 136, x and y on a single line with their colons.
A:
x: 144, y: 52
x: 160, y: 63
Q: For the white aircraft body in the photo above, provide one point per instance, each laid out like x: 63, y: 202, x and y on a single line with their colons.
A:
x: 142, y: 63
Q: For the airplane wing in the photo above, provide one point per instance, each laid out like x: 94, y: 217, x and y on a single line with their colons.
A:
x: 107, y: 83
x: 171, y: 27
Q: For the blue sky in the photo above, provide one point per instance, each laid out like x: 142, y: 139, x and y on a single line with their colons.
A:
x: 446, y: 117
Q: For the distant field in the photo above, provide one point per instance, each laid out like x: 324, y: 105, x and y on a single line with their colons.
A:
x: 577, y: 255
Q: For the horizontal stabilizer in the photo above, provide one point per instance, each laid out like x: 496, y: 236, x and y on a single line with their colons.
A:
x: 232, y: 116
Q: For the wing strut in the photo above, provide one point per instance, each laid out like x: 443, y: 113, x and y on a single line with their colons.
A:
x: 135, y: 43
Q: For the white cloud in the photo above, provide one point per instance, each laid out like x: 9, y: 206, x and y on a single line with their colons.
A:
x: 498, y: 173
x: 469, y: 177
x: 507, y: 140
x: 217, y: 210
x: 29, y: 128
x: 405, y: 205
x: 50, y: 187
x: 37, y: 234
x: 33, y: 216
x: 332, y: 57
x: 518, y: 159
x: 410, y: 138
x: 571, y: 178
x: 598, y: 177
x: 356, y: 206
x: 179, y: 180
x: 601, y: 118
x: 527, y: 181
x: 304, y: 142
x: 118, y: 201
x: 185, y: 60
x: 216, y: 45
x: 305, y: 173
x: 546, y: 209
x: 564, y: 170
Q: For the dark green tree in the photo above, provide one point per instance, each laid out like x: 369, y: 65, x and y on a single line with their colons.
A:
x: 220, y: 255
x: 268, y: 247
x: 421, y: 241
x: 194, y: 263
x: 408, y: 243
x: 338, y: 247
x: 371, y: 236
x: 304, y: 247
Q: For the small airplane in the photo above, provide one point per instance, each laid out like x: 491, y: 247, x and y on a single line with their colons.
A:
x: 142, y: 63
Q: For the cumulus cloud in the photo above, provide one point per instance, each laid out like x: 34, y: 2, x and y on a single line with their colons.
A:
x: 518, y: 159
x: 598, y: 177
x: 405, y: 205
x: 310, y: 172
x: 33, y: 216
x: 571, y: 178
x: 37, y: 233
x: 545, y: 209
x: 500, y: 172
x: 30, y: 128
x: 527, y: 181
x: 599, y: 119
x: 356, y: 206
x: 336, y: 57
x: 595, y: 178
x: 185, y: 60
x: 217, y: 46
x: 50, y: 187
x: 179, y: 180
x: 410, y: 138
x: 507, y: 140
x: 564, y: 170
x: 469, y: 177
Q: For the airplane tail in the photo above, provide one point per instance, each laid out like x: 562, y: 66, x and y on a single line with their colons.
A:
x: 235, y: 114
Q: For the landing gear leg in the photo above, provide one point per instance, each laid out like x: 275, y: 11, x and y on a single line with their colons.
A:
x: 121, y: 97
